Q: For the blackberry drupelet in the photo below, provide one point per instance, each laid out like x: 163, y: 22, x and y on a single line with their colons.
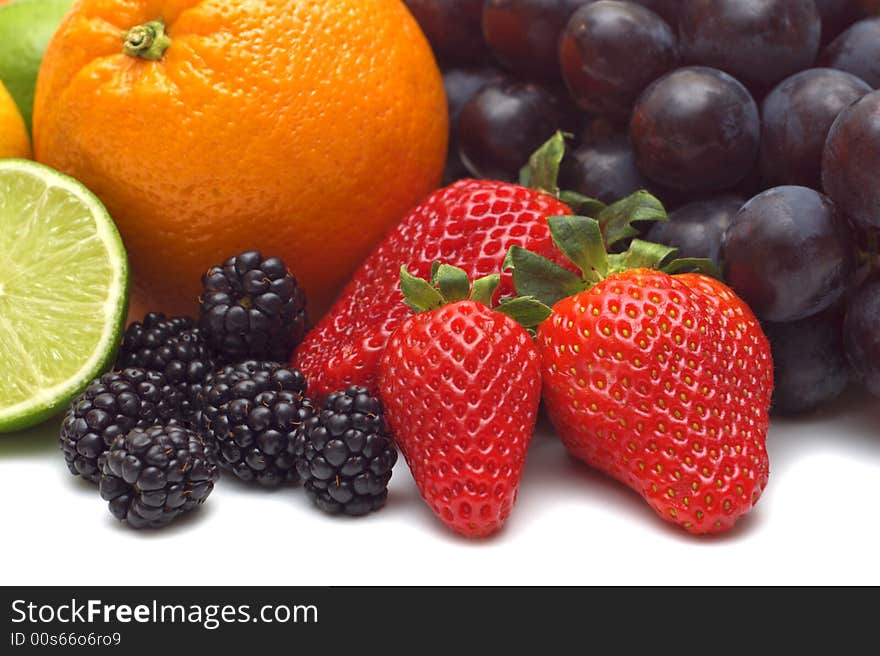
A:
x: 249, y: 414
x: 113, y: 405
x: 344, y: 455
x: 152, y: 475
x: 252, y: 308
x: 173, y: 347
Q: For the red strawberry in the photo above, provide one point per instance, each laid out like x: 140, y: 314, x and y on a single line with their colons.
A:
x: 470, y: 224
x: 461, y: 384
x: 662, y: 381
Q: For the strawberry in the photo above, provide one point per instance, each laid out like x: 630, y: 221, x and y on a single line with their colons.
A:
x: 661, y: 381
x: 470, y: 224
x: 460, y: 384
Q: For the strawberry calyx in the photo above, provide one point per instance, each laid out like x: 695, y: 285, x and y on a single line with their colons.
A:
x: 589, y: 244
x: 542, y: 170
x: 449, y: 284
x: 542, y: 174
x: 593, y: 238
x: 615, y: 220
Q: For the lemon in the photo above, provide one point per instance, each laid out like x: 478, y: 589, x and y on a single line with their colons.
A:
x: 63, y: 291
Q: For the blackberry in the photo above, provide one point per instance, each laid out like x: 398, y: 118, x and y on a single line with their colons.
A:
x: 344, y: 455
x: 173, y: 347
x: 249, y: 414
x: 113, y: 405
x: 252, y: 308
x: 152, y: 475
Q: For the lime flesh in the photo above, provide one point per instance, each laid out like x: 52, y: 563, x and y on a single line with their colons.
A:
x: 63, y: 291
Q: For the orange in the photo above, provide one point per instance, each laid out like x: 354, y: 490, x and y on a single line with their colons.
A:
x: 302, y: 128
x: 14, y: 140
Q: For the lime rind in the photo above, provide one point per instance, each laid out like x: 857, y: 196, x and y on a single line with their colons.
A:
x: 63, y: 291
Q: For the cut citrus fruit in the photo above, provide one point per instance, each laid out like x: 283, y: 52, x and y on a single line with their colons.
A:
x: 63, y: 291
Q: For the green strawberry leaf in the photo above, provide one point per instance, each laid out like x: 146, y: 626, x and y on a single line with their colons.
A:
x: 453, y: 283
x: 525, y: 176
x: 642, y: 255
x: 528, y: 311
x: 586, y: 242
x: 542, y: 172
x: 434, y: 269
x: 484, y: 289
x: 419, y: 294
x: 536, y: 276
x: 693, y: 265
x: 582, y: 205
x: 616, y: 220
x: 580, y: 240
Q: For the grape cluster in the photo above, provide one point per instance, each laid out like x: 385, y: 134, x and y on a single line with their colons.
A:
x: 707, y: 104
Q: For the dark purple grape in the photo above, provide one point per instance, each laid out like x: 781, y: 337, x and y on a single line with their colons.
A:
x: 868, y: 7
x: 837, y: 15
x: 461, y: 84
x: 789, y: 254
x: 524, y: 34
x: 696, y: 129
x: 696, y: 229
x: 749, y: 186
x: 797, y: 115
x: 809, y: 362
x: 759, y: 42
x: 454, y: 29
x: 861, y: 336
x: 610, y: 51
x: 603, y: 168
x: 668, y: 10
x: 504, y: 123
x: 857, y: 51
x: 851, y: 161
x: 454, y: 169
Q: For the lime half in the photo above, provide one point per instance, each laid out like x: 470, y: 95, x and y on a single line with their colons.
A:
x: 63, y: 291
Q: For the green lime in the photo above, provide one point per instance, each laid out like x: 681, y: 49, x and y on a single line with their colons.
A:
x: 26, y: 27
x: 63, y: 291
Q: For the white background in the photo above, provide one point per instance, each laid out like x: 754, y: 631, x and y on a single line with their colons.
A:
x: 818, y: 522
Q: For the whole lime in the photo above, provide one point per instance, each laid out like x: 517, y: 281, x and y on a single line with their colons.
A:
x: 26, y: 26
